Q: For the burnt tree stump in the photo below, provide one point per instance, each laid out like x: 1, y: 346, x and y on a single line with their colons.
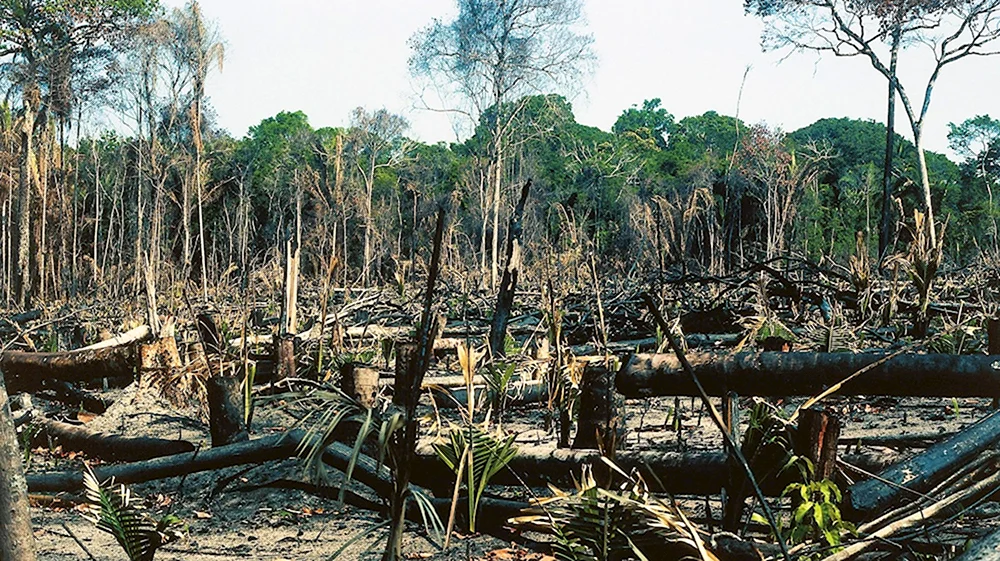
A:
x: 600, y: 424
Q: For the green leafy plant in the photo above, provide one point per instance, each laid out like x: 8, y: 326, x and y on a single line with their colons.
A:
x: 498, y: 378
x: 817, y: 514
x: 113, y: 511
x: 485, y: 457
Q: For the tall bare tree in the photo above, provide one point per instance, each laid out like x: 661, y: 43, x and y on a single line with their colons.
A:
x: 952, y: 29
x: 37, y: 36
x: 199, y: 50
x: 497, y: 51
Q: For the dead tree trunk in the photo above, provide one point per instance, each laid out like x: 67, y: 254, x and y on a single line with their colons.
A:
x: 360, y: 382
x: 225, y: 410
x: 111, y: 447
x: 407, y: 393
x: 505, y: 298
x: 923, y: 471
x: 816, y: 438
x: 776, y: 374
x: 17, y: 542
x: 27, y: 370
x: 599, y: 425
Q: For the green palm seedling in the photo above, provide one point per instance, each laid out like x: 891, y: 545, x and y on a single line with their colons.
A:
x: 113, y: 511
x: 488, y: 454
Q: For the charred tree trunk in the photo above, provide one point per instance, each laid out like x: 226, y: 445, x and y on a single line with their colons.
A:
x: 359, y: 382
x: 407, y: 393
x: 111, y: 447
x: 17, y: 542
x: 816, y: 438
x: 923, y: 471
x: 225, y: 410
x: 27, y: 370
x: 600, y: 425
x: 505, y: 298
x: 777, y: 374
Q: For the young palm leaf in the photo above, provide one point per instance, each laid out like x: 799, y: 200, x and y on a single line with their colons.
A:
x: 112, y: 511
x: 490, y: 454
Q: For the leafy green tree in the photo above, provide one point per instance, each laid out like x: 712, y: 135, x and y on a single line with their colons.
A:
x: 651, y: 122
x: 977, y: 140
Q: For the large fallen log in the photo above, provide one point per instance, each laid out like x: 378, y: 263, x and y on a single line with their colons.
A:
x: 27, y: 370
x: 689, y: 473
x: 923, y: 471
x: 777, y: 374
x: 110, y: 447
x: 276, y: 447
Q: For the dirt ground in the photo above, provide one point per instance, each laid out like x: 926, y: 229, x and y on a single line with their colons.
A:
x: 227, y: 517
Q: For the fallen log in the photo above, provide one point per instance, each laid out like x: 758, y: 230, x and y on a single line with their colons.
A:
x: 26, y: 370
x: 276, y: 447
x: 110, y: 447
x: 688, y: 473
x: 135, y: 335
x: 776, y: 374
x: 923, y: 471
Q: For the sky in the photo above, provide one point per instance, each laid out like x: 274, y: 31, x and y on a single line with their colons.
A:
x: 326, y: 57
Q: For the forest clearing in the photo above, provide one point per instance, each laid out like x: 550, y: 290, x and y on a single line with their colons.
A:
x: 683, y: 338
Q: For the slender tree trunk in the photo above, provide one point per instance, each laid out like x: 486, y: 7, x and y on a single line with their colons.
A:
x: 925, y: 183
x: 369, y: 188
x: 885, y: 228
x: 97, y: 210
x: 497, y: 189
x: 197, y: 181
x: 22, y: 274
x: 17, y: 542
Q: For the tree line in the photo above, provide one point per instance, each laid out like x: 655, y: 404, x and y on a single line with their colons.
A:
x: 177, y: 200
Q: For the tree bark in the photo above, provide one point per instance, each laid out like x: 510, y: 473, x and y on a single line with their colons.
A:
x: 923, y: 471
x: 111, y: 447
x: 599, y: 425
x: 360, y: 382
x: 777, y: 374
x: 27, y: 370
x: 816, y: 438
x: 505, y: 298
x: 225, y: 410
x: 885, y: 228
x: 17, y: 542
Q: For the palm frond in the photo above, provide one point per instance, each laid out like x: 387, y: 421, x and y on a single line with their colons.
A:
x: 595, y: 523
x: 112, y: 511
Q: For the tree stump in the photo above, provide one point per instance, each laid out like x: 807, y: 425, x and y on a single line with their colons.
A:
x: 359, y: 381
x: 286, y: 357
x: 599, y: 425
x: 816, y: 439
x: 225, y: 410
x: 404, y: 354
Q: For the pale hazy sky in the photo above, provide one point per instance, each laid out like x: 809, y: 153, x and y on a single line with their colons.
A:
x: 326, y: 57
